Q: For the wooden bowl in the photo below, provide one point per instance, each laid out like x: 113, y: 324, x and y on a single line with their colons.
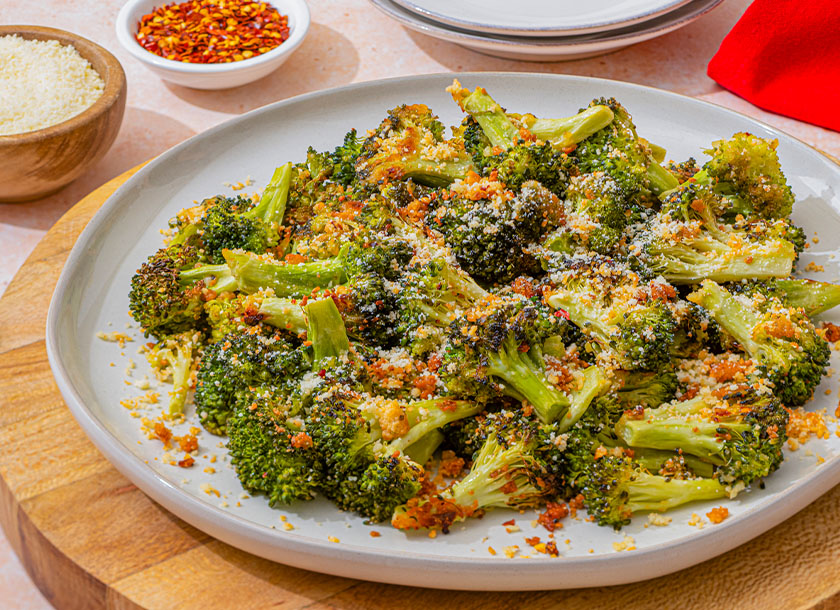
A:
x: 38, y: 163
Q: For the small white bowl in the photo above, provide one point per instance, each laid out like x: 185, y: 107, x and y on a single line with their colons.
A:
x: 212, y: 76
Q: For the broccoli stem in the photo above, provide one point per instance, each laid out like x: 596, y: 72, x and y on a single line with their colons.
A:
x: 525, y: 381
x: 216, y: 277
x: 421, y: 451
x: 684, y: 264
x: 812, y: 296
x: 594, y: 382
x: 661, y: 180
x: 568, y: 131
x: 325, y: 329
x: 283, y: 313
x: 495, y: 124
x: 254, y: 274
x: 737, y: 320
x: 657, y: 151
x: 272, y: 205
x: 654, y: 459
x: 426, y: 416
x: 436, y: 173
x: 649, y: 492
x: 176, y: 353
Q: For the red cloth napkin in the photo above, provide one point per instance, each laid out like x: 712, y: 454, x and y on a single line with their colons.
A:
x: 784, y: 56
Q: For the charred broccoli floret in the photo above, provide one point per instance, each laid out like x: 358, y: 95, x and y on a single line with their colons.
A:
x: 501, y: 348
x: 618, y: 151
x: 746, y: 170
x: 781, y: 339
x: 409, y: 144
x: 624, y: 314
x: 742, y: 434
x: 686, y: 243
x: 168, y: 292
x: 812, y: 296
x: 488, y: 227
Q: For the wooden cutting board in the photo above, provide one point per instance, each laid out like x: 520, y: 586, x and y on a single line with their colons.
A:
x: 90, y: 539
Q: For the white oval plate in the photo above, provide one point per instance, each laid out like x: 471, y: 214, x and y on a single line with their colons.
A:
x: 556, y: 48
x: 91, y: 296
x: 540, y: 17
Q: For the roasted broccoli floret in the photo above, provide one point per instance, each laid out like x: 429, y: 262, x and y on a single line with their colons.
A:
x: 746, y: 170
x: 684, y: 170
x: 409, y: 144
x: 602, y: 210
x: 742, y: 434
x: 344, y: 158
x: 236, y: 222
x: 168, y: 292
x: 615, y: 488
x: 363, y: 441
x: 624, y: 314
x: 235, y: 313
x: 273, y: 455
x: 618, y: 151
x: 686, y: 243
x: 232, y: 368
x: 488, y: 228
x: 500, y: 348
x: 517, y: 465
x: 781, y: 339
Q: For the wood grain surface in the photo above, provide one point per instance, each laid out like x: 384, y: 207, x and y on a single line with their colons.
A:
x: 90, y: 539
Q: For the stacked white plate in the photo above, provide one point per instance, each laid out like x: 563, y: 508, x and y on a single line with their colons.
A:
x: 545, y: 30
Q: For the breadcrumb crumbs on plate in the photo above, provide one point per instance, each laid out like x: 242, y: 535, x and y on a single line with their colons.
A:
x: 491, y: 550
x: 374, y: 534
x: 512, y: 529
x: 628, y: 544
x: 433, y: 534
x: 288, y: 527
x: 803, y: 424
x: 209, y: 470
x: 114, y: 337
x: 209, y: 489
x: 696, y: 521
x: 333, y: 539
x: 718, y: 514
x: 658, y: 519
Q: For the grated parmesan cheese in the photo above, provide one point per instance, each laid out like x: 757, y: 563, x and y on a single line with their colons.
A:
x: 42, y: 83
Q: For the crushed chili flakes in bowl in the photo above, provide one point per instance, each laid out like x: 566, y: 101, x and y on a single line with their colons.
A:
x: 212, y: 31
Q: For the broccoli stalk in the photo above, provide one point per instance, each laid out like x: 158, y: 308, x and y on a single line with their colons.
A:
x: 282, y: 313
x: 594, y: 383
x: 812, y: 296
x: 176, y: 354
x: 568, y: 131
x: 325, y: 329
x: 253, y: 274
x: 782, y: 340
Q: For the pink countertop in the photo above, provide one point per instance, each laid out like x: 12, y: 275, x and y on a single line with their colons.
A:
x: 349, y: 41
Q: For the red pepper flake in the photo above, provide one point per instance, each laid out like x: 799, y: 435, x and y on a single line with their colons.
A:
x: 561, y: 314
x: 533, y: 541
x: 509, y: 522
x: 212, y: 31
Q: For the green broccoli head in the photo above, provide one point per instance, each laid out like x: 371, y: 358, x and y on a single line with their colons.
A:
x: 748, y: 166
x: 489, y: 228
x: 273, y: 456
x: 498, y: 348
x: 227, y: 224
x: 624, y: 314
x: 686, y: 242
x: 617, y: 151
x: 239, y: 362
x: 605, y: 209
x: 167, y: 292
x: 781, y: 339
x: 409, y: 144
x: 344, y: 158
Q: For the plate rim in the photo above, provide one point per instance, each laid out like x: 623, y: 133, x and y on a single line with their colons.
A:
x: 213, y: 519
x: 597, y: 27
x: 590, y: 43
